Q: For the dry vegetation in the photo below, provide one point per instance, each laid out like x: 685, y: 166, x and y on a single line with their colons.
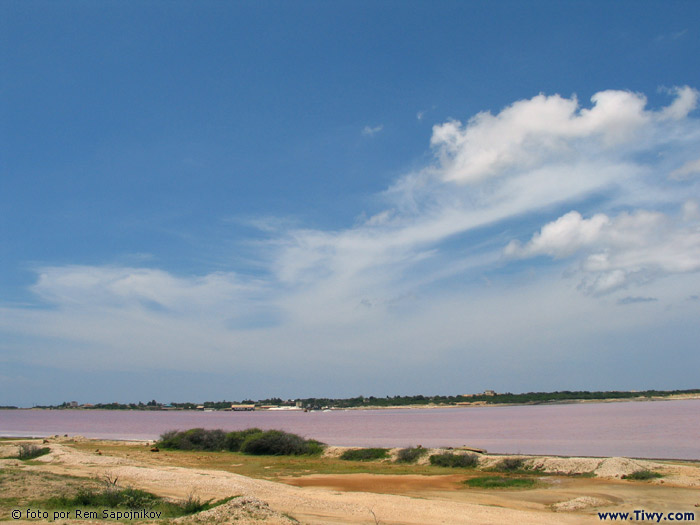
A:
x: 327, y: 489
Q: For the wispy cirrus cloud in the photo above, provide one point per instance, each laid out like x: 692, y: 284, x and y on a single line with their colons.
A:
x: 690, y: 168
x: 372, y: 130
x: 603, y: 191
x: 636, y: 300
x: 673, y: 36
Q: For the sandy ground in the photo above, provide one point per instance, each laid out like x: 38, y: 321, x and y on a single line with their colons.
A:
x: 397, y: 499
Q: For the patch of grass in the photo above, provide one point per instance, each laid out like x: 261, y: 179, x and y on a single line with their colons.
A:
x: 19, y: 488
x: 194, y: 504
x: 500, y: 482
x: 410, y: 455
x: 643, y: 475
x: 365, y: 454
x: 30, y: 451
x: 9, y: 502
x: 108, y: 498
x: 261, y: 467
x: 128, y: 499
x: 449, y: 459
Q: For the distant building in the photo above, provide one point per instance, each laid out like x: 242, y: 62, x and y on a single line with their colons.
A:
x: 242, y: 408
x: 73, y: 404
x: 484, y: 393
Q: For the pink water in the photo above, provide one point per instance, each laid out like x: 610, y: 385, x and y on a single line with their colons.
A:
x: 663, y: 429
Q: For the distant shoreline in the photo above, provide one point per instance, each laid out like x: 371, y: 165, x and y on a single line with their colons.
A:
x: 680, y: 397
x: 461, y: 404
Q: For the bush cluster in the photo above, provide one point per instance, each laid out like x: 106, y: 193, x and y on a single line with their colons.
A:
x: 448, y: 459
x: 234, y: 440
x: 509, y: 465
x: 250, y: 441
x: 642, y: 475
x: 279, y: 443
x: 410, y: 455
x: 28, y: 451
x: 364, y: 454
x: 194, y: 439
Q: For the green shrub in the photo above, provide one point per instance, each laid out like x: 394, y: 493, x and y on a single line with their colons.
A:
x: 509, y: 465
x: 498, y: 482
x: 642, y: 475
x: 364, y: 454
x: 250, y: 441
x: 202, y: 439
x: 234, y: 440
x: 448, y: 459
x: 29, y: 451
x: 410, y: 455
x: 193, y: 439
x: 279, y: 443
x: 314, y: 447
x: 169, y: 439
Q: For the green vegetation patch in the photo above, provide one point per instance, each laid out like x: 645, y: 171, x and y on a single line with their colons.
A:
x: 108, y: 498
x: 643, y: 475
x: 410, y: 455
x: 29, y: 451
x: 234, y: 440
x: 365, y: 454
x: 509, y: 465
x: 194, y: 439
x: 449, y: 459
x: 500, y: 482
x: 116, y: 498
x: 250, y: 441
x: 279, y: 443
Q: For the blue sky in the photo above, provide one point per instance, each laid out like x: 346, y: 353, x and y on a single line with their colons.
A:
x: 208, y: 200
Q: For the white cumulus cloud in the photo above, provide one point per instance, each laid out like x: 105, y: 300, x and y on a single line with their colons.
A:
x: 546, y: 128
x: 629, y: 248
